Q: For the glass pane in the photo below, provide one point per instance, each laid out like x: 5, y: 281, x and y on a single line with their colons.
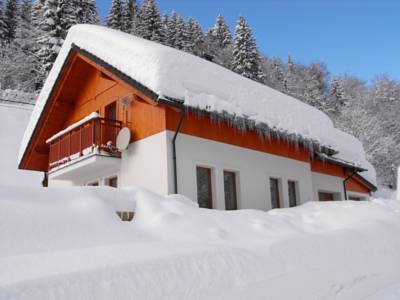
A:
x: 292, y: 193
x: 274, y: 186
x: 204, y: 189
x: 325, y: 196
x: 113, y: 182
x: 230, y: 190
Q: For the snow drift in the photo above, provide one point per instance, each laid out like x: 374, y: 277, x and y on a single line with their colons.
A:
x: 201, y: 85
x: 13, y: 121
x: 69, y: 244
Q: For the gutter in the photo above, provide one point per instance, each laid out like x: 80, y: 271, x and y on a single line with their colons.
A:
x: 344, y: 183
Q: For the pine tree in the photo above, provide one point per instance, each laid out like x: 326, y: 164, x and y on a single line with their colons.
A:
x: 37, y: 13
x: 314, y: 82
x: 10, y: 19
x: 179, y: 38
x: 114, y: 19
x: 51, y: 39
x: 165, y: 27
x: 150, y: 22
x: 198, y: 39
x: 220, y: 33
x: 2, y: 24
x: 188, y: 36
x: 337, y: 91
x: 129, y: 16
x: 171, y: 31
x: 277, y: 76
x: 24, y: 27
x: 86, y: 12
x: 245, y: 55
x: 66, y: 14
x: 292, y: 80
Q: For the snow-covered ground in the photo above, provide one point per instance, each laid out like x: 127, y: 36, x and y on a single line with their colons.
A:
x: 13, y: 121
x: 69, y: 244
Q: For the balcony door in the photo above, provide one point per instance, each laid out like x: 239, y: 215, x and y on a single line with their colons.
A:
x: 110, y: 130
x: 110, y: 111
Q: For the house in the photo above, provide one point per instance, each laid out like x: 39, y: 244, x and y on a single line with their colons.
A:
x: 196, y: 129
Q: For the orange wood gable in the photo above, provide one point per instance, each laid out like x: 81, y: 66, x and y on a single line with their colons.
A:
x: 85, y: 86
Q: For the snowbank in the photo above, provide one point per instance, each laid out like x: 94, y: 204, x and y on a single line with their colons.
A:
x: 13, y: 121
x: 200, y: 84
x: 69, y: 244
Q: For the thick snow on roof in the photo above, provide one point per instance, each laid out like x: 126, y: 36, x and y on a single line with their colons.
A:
x: 200, y: 84
x: 69, y: 244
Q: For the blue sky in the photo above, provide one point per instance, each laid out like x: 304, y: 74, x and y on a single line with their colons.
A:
x: 358, y: 37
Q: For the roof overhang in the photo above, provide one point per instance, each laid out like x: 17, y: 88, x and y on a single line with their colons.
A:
x: 348, y: 166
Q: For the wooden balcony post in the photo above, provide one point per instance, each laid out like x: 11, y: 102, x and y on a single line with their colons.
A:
x: 80, y: 141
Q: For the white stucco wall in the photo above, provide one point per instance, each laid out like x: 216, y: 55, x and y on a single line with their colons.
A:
x: 328, y: 184
x: 332, y: 184
x: 253, y: 169
x: 144, y: 164
x: 148, y: 163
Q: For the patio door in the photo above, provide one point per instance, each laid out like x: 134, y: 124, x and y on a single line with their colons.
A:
x: 109, y: 129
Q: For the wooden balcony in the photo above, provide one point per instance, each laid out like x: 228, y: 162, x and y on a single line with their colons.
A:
x: 95, y: 136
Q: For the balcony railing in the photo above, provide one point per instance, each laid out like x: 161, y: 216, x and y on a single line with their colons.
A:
x: 97, y: 135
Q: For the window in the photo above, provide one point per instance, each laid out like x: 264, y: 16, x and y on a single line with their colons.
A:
x: 324, y: 196
x: 356, y: 198
x: 95, y: 183
x: 110, y: 111
x: 292, y: 189
x: 230, y: 190
x: 275, y: 195
x: 113, y: 182
x: 204, y: 187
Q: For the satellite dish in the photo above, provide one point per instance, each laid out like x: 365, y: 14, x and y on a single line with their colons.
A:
x: 123, y: 138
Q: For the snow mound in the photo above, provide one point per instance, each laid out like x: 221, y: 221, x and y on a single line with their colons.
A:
x: 13, y: 121
x: 173, y: 219
x: 49, y: 219
x: 69, y: 244
x: 200, y: 84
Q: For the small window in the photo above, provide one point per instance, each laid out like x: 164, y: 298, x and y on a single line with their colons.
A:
x: 94, y: 183
x: 230, y: 190
x: 356, y: 198
x: 324, y: 196
x: 275, y: 195
x: 113, y: 182
x: 204, y: 187
x: 292, y: 189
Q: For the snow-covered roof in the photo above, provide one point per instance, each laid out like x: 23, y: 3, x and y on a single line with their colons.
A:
x: 201, y: 84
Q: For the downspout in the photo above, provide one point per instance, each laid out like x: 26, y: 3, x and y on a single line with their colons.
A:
x: 45, y: 181
x: 344, y: 183
x: 178, y: 128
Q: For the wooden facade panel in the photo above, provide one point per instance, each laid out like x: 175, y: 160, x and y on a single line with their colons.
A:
x: 204, y: 127
x: 354, y: 185
x: 327, y: 168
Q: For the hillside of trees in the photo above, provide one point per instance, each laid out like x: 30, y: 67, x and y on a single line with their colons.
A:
x: 31, y: 34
